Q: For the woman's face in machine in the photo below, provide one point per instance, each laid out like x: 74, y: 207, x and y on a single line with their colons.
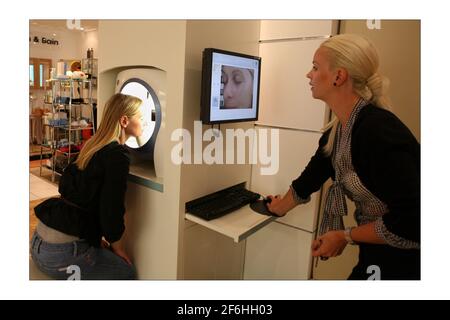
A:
x: 134, y: 128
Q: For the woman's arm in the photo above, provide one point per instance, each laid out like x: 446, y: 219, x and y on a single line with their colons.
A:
x: 387, y: 159
x: 112, y: 194
x: 318, y: 170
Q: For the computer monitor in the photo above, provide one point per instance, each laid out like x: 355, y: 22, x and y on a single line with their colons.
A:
x: 230, y: 86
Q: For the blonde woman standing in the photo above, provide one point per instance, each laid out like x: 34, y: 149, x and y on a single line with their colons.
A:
x: 91, y: 206
x: 372, y: 158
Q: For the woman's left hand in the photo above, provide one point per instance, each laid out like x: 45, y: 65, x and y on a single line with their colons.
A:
x: 330, y: 244
x: 117, y: 248
x: 105, y: 244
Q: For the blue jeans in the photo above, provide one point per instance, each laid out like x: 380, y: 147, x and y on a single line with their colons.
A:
x: 78, y: 260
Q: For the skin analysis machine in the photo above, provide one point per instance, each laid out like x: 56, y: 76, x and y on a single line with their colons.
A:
x: 147, y: 85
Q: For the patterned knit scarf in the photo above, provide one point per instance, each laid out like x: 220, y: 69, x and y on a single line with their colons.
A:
x: 335, y: 204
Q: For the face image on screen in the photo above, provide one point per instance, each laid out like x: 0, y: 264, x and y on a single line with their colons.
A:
x: 230, y: 86
x: 236, y: 90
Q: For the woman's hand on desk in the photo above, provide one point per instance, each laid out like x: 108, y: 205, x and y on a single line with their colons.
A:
x: 281, y: 206
x: 275, y: 205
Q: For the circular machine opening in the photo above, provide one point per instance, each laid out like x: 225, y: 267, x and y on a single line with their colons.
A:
x: 150, y: 110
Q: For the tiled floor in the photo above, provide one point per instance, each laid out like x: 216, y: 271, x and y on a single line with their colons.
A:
x: 41, y: 188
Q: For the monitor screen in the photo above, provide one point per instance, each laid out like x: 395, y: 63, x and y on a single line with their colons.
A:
x: 230, y: 86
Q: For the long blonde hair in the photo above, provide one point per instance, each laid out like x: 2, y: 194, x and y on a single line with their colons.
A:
x: 109, y: 130
x: 359, y: 57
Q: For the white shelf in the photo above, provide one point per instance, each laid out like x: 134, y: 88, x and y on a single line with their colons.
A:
x: 237, y: 225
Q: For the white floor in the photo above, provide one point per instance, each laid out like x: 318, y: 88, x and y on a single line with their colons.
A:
x: 40, y: 188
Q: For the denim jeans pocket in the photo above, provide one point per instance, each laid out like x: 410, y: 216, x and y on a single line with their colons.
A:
x: 56, y: 259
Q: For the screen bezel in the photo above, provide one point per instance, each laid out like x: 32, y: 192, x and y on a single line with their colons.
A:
x: 205, y: 111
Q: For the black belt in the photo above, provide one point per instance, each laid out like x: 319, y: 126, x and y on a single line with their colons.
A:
x: 73, y: 204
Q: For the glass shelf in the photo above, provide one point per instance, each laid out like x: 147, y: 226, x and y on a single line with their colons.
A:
x: 67, y: 153
x: 89, y: 66
x: 69, y: 80
x: 72, y: 128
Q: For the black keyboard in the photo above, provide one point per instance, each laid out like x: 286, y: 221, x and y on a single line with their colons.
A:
x: 221, y: 202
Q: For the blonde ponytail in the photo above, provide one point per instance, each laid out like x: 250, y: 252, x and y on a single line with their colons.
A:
x: 378, y: 86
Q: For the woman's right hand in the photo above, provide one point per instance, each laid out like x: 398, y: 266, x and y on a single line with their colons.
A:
x: 281, y: 206
x: 275, y: 205
x: 117, y: 248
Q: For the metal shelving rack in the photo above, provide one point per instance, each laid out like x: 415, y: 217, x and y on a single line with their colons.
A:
x: 73, y: 108
x: 90, y: 68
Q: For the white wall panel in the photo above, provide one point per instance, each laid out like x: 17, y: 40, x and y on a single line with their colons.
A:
x: 278, y: 252
x: 285, y: 94
x: 282, y: 29
x: 295, y: 151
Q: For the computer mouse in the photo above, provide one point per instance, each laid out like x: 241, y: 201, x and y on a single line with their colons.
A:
x: 261, y: 207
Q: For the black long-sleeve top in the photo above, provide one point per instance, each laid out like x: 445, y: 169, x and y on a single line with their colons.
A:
x: 386, y: 158
x: 92, y: 202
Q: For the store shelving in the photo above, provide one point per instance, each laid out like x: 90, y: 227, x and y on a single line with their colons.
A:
x: 70, y: 122
x: 90, y: 68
